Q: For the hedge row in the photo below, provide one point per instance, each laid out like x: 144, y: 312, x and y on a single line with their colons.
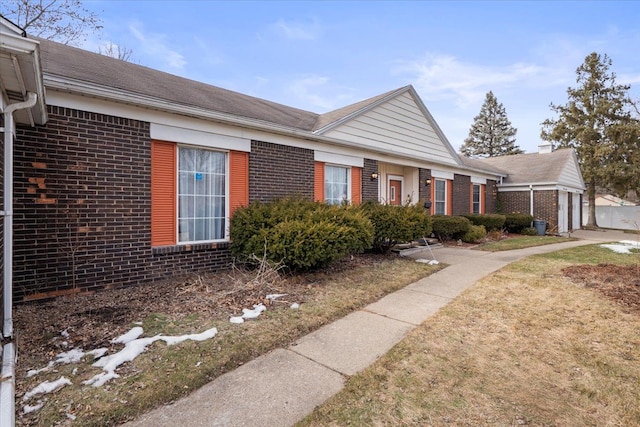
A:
x: 306, y: 235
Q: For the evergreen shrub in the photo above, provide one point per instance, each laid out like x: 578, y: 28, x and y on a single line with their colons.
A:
x: 529, y: 231
x: 491, y: 222
x: 515, y: 222
x: 450, y: 227
x: 475, y: 234
x: 396, y: 224
x: 300, y: 234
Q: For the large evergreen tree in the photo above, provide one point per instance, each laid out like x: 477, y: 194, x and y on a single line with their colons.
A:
x: 491, y: 134
x: 598, y: 122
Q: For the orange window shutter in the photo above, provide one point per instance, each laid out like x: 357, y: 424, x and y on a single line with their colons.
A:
x: 318, y: 182
x: 449, y: 197
x: 471, y: 199
x: 163, y: 193
x: 356, y: 185
x: 483, y: 189
x: 238, y: 180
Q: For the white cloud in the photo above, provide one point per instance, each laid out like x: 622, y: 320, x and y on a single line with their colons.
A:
x: 444, y: 77
x: 297, y: 30
x: 316, y: 92
x: 154, y: 44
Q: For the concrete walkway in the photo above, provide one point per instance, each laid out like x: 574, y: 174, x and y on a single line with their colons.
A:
x: 283, y: 386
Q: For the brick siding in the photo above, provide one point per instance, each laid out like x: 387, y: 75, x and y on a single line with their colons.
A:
x: 369, y: 186
x: 545, y: 205
x: 424, y: 191
x: 82, y: 209
x: 491, y: 197
x: 461, y: 194
x: 277, y: 171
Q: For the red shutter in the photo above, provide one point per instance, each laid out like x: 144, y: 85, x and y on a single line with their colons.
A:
x: 483, y: 189
x: 318, y: 182
x: 356, y: 185
x: 238, y: 180
x: 163, y: 193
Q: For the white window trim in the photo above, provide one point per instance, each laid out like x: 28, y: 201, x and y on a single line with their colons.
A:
x: 441, y: 174
x: 349, y: 176
x: 479, y: 198
x: 226, y: 197
x: 198, y: 138
x: 338, y: 159
x: 446, y: 185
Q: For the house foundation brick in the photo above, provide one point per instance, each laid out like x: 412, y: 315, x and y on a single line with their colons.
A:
x: 461, y: 195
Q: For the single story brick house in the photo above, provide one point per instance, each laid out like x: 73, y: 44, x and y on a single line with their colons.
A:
x: 123, y: 174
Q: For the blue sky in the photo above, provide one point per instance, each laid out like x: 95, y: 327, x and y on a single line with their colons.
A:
x: 323, y: 55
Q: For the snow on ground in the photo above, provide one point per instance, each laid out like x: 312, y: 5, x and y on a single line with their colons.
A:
x: 133, y: 347
x: 623, y: 247
x: 46, y: 387
x: 427, y: 261
x: 248, y: 313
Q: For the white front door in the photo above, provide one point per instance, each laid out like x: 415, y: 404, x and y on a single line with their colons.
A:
x: 563, y: 214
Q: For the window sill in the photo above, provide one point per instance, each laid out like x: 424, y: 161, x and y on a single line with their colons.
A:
x: 192, y: 247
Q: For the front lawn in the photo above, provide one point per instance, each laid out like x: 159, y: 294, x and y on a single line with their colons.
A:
x: 521, y: 242
x: 541, y: 342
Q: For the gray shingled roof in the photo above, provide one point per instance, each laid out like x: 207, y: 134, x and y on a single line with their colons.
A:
x: 77, y: 64
x: 527, y: 168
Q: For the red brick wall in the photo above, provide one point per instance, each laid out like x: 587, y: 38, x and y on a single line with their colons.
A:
x: 491, y: 197
x: 461, y: 194
x: 277, y: 171
x: 82, y: 196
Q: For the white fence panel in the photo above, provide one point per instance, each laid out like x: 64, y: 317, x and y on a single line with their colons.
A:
x: 619, y: 217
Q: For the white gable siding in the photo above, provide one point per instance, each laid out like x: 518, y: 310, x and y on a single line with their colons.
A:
x: 570, y: 175
x: 396, y: 126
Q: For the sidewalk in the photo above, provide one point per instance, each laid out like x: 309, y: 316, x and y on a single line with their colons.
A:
x: 283, y: 386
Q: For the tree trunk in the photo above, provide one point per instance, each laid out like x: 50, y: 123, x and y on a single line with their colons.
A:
x: 591, y: 196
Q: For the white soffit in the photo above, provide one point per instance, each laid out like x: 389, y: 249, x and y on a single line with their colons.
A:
x: 339, y: 159
x: 478, y: 180
x: 198, y: 137
x: 441, y: 174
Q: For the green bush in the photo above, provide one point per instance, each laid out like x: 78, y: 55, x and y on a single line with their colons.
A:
x: 515, y: 222
x: 475, y: 234
x: 395, y: 224
x: 302, y: 235
x: 529, y: 231
x: 450, y: 227
x: 490, y: 222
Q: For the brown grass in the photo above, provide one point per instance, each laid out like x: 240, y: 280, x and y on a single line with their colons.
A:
x: 164, y: 373
x: 525, y: 346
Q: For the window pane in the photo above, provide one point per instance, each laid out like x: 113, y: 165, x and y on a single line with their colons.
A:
x: 201, y: 195
x: 336, y: 184
x: 441, y: 197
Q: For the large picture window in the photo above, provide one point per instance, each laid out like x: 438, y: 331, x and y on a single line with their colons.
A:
x: 440, y: 196
x: 476, y: 199
x: 201, y: 195
x: 336, y: 184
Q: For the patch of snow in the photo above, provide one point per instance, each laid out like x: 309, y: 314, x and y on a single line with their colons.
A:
x: 46, y: 387
x: 210, y: 333
x: 133, y: 348
x: 98, y: 352
x: 295, y: 306
x: 32, y: 372
x: 75, y: 371
x: 622, y: 247
x: 70, y: 416
x: 65, y: 334
x: 74, y: 355
x: 236, y: 319
x: 198, y: 364
x: 275, y: 296
x: 129, y: 336
x: 32, y: 408
x: 427, y: 261
x: 252, y: 314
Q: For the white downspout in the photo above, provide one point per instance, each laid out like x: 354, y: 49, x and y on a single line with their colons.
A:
x: 531, y: 200
x: 7, y: 390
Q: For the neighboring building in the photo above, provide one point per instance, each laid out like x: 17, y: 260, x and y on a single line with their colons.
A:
x: 125, y: 174
x: 547, y: 185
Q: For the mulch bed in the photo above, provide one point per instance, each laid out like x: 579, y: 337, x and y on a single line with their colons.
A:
x: 620, y: 283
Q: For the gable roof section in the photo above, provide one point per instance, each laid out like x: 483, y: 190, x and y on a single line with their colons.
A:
x: 559, y: 167
x: 397, y: 122
x: 64, y: 65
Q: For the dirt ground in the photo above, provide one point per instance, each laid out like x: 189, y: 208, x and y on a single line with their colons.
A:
x: 620, y: 283
x: 91, y: 320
